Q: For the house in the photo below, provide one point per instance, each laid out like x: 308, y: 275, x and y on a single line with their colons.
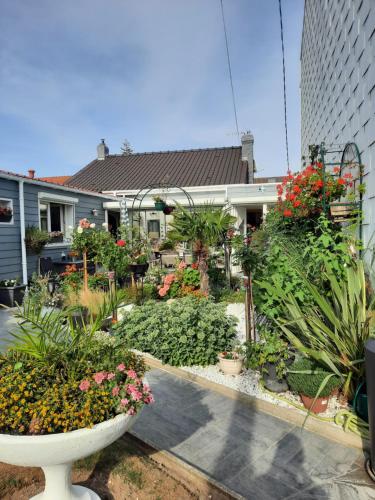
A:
x: 53, y: 207
x: 223, y: 176
x: 338, y: 88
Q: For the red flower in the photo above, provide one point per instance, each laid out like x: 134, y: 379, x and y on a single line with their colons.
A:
x: 121, y: 243
x: 287, y: 213
x: 318, y: 184
x: 341, y: 182
x: 296, y: 189
x: 336, y: 170
x: 297, y: 203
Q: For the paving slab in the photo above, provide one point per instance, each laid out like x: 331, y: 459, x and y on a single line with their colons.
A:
x: 7, y: 323
x: 256, y: 455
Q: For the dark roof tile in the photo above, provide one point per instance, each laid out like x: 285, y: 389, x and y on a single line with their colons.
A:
x: 195, y: 167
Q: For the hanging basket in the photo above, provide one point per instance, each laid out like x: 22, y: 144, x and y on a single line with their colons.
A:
x: 342, y: 211
x: 167, y: 210
x: 160, y: 205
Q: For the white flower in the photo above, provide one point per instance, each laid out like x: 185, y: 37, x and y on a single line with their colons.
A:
x: 105, y: 224
x: 92, y: 225
x: 70, y: 228
x: 80, y: 230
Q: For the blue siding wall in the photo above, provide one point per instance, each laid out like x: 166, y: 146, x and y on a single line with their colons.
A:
x: 10, y: 241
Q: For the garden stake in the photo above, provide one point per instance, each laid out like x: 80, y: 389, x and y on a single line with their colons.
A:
x: 85, y: 276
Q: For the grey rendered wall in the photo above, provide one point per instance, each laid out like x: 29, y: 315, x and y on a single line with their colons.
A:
x: 10, y: 240
x: 10, y: 248
x: 338, y: 83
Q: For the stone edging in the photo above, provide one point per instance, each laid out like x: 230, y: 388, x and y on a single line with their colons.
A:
x: 324, y: 429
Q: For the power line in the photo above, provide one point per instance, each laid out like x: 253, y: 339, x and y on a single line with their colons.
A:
x: 284, y: 82
x: 230, y: 70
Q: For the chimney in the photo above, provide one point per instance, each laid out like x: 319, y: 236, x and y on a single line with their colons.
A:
x: 31, y: 173
x: 247, y: 143
x: 102, y: 150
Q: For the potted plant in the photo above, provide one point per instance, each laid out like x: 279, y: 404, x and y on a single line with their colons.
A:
x: 159, y: 203
x: 167, y: 210
x: 76, y: 392
x: 56, y: 236
x: 313, y: 383
x: 231, y: 361
x: 35, y: 239
x: 6, y: 214
x: 11, y: 292
x: 271, y: 355
x: 140, y: 265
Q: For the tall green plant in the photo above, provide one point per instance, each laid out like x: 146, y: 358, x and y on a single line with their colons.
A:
x: 203, y: 227
x: 334, y: 328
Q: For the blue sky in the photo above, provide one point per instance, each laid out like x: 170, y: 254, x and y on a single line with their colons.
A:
x: 151, y: 71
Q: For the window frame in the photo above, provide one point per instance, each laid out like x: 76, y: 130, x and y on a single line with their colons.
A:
x: 9, y: 204
x: 66, y: 203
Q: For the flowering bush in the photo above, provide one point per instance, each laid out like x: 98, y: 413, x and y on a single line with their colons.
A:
x: 9, y: 283
x: 301, y: 194
x: 184, y: 281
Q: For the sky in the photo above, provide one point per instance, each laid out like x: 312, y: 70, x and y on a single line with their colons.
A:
x: 153, y: 72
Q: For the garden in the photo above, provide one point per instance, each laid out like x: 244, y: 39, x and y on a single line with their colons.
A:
x: 289, y: 327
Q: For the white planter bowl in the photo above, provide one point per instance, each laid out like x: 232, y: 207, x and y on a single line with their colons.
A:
x: 55, y: 454
x: 231, y: 366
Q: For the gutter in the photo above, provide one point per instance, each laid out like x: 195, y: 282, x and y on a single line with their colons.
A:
x: 22, y: 231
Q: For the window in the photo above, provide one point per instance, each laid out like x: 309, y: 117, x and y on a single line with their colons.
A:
x: 56, y: 216
x: 153, y: 228
x: 6, y: 211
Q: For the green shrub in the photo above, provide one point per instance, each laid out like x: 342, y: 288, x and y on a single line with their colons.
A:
x: 189, y: 331
x: 271, y: 348
x: 310, y: 382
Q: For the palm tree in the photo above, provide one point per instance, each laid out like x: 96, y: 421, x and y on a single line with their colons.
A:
x: 203, y: 227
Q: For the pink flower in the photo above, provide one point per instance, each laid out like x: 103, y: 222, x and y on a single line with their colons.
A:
x: 131, y: 388
x: 110, y: 376
x: 84, y: 223
x: 163, y: 291
x: 149, y: 399
x: 124, y: 402
x: 146, y: 388
x: 84, y: 385
x: 136, y: 395
x: 131, y: 374
x: 121, y: 367
x: 131, y: 411
x: 121, y: 243
x: 169, y: 279
x: 115, y: 391
x: 99, y: 377
x: 182, y: 265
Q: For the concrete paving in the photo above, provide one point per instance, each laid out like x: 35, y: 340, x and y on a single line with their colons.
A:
x: 258, y: 456
x: 7, y: 323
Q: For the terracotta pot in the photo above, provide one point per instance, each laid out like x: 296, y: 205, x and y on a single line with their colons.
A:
x: 231, y: 366
x: 319, y: 406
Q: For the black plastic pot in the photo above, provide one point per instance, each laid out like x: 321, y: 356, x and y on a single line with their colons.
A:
x: 271, y: 381
x: 139, y: 269
x: 11, y: 296
x: 6, y: 218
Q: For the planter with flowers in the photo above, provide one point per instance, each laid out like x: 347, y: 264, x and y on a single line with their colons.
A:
x: 11, y: 292
x: 167, y: 210
x: 159, y: 203
x: 6, y: 214
x: 63, y: 400
x: 301, y: 195
x: 56, y: 237
x: 231, y: 362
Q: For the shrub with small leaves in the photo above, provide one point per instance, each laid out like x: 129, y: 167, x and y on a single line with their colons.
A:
x: 309, y: 378
x: 189, y: 331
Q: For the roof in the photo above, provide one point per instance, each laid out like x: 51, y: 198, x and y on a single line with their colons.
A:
x: 186, y: 168
x: 265, y: 180
x: 59, y: 179
x: 13, y: 176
